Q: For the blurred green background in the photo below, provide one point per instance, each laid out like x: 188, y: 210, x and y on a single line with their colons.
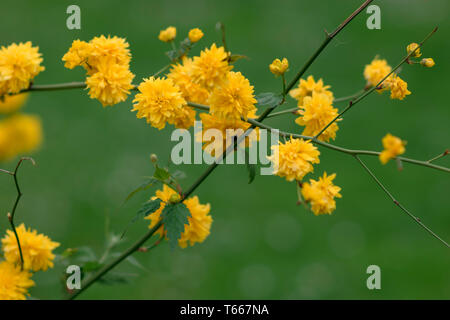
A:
x: 262, y: 245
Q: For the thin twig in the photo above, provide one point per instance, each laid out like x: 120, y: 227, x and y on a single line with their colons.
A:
x: 11, y: 214
x: 416, y: 219
x: 361, y: 97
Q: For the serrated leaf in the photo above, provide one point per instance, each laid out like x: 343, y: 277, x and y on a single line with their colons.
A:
x: 147, y: 208
x: 145, y: 185
x: 174, y: 218
x: 269, y: 99
x: 161, y: 174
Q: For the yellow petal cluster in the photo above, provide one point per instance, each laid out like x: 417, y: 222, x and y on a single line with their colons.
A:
x: 195, y: 35
x: 210, y: 69
x: 107, y: 62
x: 294, y: 158
x: 160, y: 102
x: 307, y: 87
x: 199, y: 222
x: 393, y: 147
x: 279, y: 67
x: 234, y: 99
x: 36, y: 249
x: 14, y: 283
x: 228, y: 128
x: 321, y: 193
x: 376, y: 71
x: 10, y: 104
x: 19, y: 64
x: 168, y: 34
x: 411, y: 47
x: 19, y: 134
x: 316, y: 112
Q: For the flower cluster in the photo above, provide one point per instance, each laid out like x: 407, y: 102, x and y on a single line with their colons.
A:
x: 19, y: 134
x: 321, y: 193
x: 37, y: 250
x: 107, y: 63
x: 294, y: 158
x: 205, y: 79
x: 199, y: 221
x: 19, y: 64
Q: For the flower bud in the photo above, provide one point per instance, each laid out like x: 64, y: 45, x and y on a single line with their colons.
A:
x: 168, y: 34
x: 195, y: 35
x: 279, y: 67
x: 153, y: 158
x: 411, y: 47
x: 427, y: 62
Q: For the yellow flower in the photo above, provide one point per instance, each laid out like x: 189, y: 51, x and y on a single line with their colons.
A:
x: 159, y: 101
x: 115, y: 49
x: 100, y: 50
x: 211, y: 67
x: 315, y: 113
x: 11, y: 104
x: 195, y: 35
x: 77, y: 55
x: 376, y: 71
x: 181, y: 75
x: 320, y: 194
x: 19, y: 64
x: 279, y: 67
x: 234, y: 99
x: 199, y: 222
x: 393, y: 147
x: 168, y: 34
x: 411, y: 47
x: 398, y: 87
x: 228, y: 128
x: 36, y: 248
x: 307, y: 87
x: 184, y: 119
x: 427, y: 62
x: 14, y: 283
x: 19, y: 134
x: 111, y: 83
x: 294, y: 159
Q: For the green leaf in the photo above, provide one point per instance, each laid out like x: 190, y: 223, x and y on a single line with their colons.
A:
x: 235, y: 57
x: 251, y: 168
x: 161, y: 174
x: 145, y: 185
x: 269, y: 99
x: 174, y: 217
